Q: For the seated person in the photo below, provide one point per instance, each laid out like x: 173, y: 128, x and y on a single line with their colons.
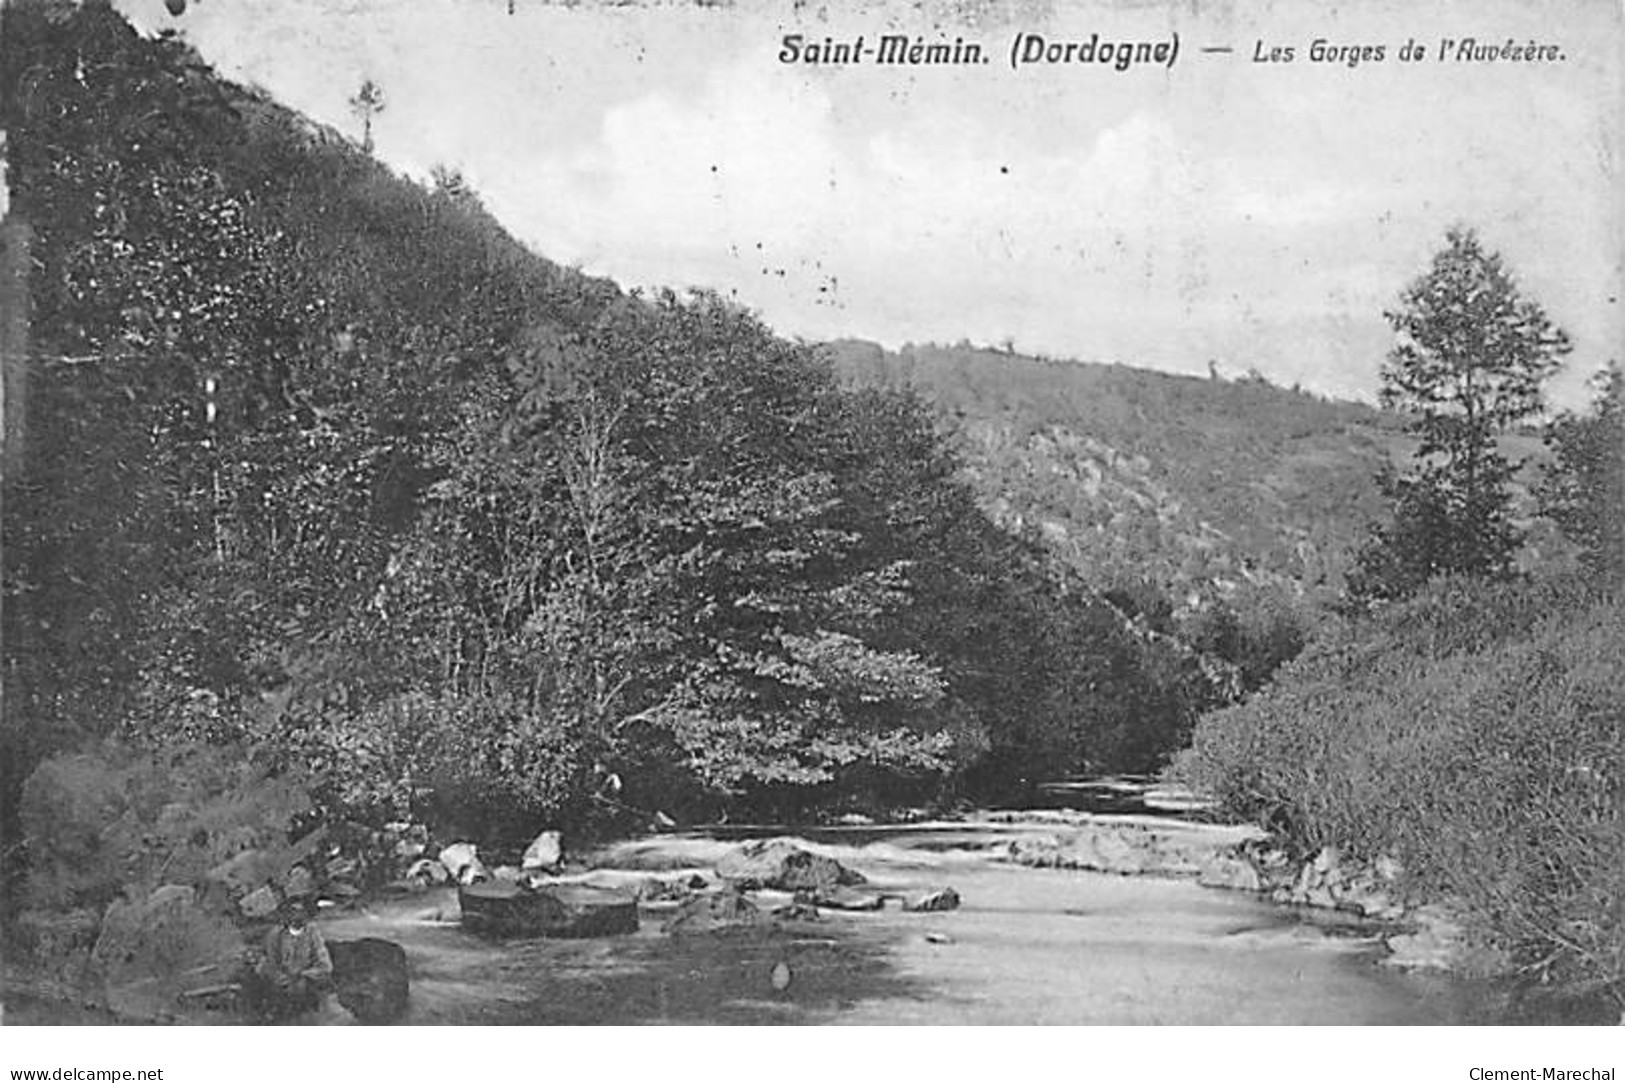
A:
x: 295, y: 968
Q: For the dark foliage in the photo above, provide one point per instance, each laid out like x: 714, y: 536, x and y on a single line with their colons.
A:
x: 321, y: 460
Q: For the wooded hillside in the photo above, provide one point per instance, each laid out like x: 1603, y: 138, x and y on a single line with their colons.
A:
x: 318, y: 462
x: 1203, y: 487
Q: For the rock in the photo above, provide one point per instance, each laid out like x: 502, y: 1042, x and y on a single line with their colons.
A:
x: 298, y: 882
x: 664, y: 822
x: 259, y: 903
x: 712, y: 912
x: 938, y: 938
x: 945, y: 898
x: 779, y: 864
x: 1431, y: 946
x: 462, y: 861
x: 655, y: 889
x: 1326, y: 860
x: 1388, y: 868
x: 544, y: 852
x: 796, y: 911
x: 171, y: 895
x: 1438, y: 941
x: 495, y: 908
x: 370, y: 978
x: 1230, y: 873
x: 780, y: 978
x: 1113, y: 853
x: 854, y: 819
x: 507, y: 874
x: 844, y: 898
x: 427, y: 871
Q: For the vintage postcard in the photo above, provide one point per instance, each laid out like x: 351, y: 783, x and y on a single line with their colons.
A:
x: 943, y: 513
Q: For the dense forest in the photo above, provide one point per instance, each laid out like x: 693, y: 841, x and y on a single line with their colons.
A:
x: 318, y: 462
x: 329, y: 507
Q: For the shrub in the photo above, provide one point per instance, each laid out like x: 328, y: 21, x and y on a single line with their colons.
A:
x: 1475, y: 734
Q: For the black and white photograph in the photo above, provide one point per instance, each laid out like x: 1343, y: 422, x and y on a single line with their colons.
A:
x: 775, y: 512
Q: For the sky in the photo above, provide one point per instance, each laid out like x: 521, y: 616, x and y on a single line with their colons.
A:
x: 1224, y: 208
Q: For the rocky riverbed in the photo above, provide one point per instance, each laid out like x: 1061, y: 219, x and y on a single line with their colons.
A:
x: 1031, y: 941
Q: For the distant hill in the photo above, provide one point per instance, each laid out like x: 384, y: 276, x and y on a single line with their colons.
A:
x: 1200, y: 486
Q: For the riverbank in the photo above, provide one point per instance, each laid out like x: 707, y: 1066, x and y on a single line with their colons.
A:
x: 1027, y: 945
x: 1030, y: 942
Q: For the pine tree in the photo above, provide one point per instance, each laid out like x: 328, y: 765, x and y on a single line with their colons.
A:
x: 1470, y: 357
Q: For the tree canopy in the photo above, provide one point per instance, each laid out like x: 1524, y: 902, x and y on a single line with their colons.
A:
x: 323, y: 462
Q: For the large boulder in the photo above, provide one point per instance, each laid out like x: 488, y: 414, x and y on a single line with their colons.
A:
x: 370, y: 978
x: 713, y: 912
x: 500, y: 908
x: 783, y: 866
x: 462, y: 861
x: 544, y: 852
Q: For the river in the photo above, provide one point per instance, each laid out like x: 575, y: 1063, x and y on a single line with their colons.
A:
x: 1026, y: 946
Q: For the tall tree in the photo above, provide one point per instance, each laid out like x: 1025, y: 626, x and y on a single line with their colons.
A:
x: 1584, y: 488
x: 1470, y: 356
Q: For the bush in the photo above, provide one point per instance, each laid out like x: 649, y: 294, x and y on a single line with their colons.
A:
x: 1475, y: 734
x: 485, y: 765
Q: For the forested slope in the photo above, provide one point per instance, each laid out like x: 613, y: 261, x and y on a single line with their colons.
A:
x: 319, y: 463
x: 1202, y: 487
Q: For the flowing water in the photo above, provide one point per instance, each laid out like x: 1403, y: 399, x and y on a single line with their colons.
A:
x: 1026, y: 946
